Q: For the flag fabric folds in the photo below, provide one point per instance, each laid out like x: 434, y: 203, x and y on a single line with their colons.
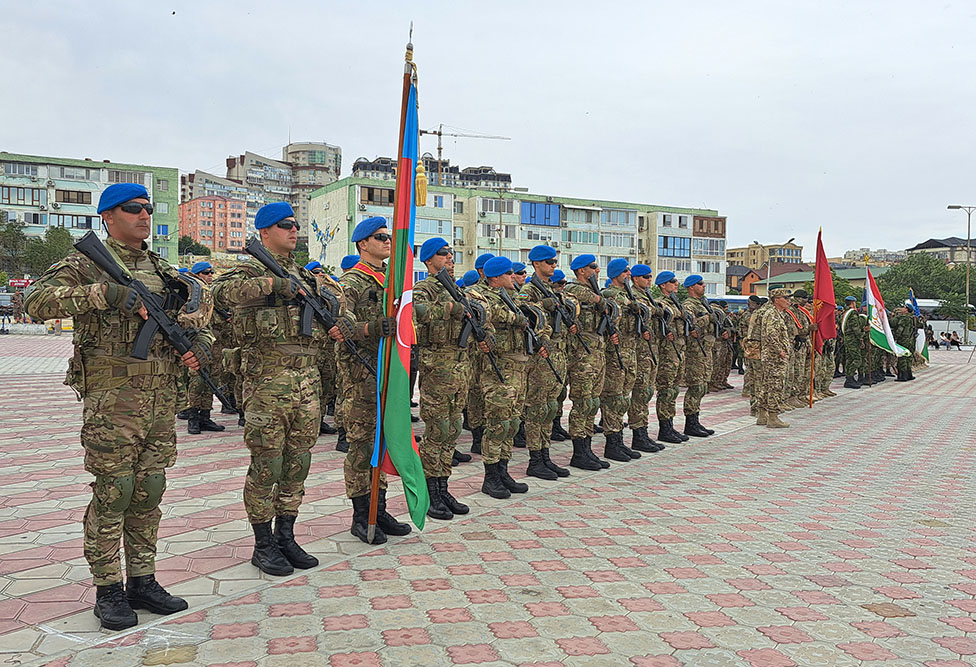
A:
x: 881, y: 335
x: 824, y: 302
x: 395, y: 448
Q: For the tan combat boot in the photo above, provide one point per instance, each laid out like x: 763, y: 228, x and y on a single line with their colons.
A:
x: 760, y: 417
x: 829, y: 393
x: 753, y: 411
x: 773, y: 421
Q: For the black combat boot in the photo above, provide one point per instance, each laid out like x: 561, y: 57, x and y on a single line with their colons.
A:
x: 643, y: 443
x: 462, y: 457
x: 560, y: 472
x: 112, y: 608
x: 208, y: 424
x: 437, y: 509
x: 614, y: 447
x: 694, y: 427
x: 581, y: 459
x: 901, y: 377
x: 193, y: 424
x: 909, y: 375
x: 538, y: 468
x: 360, y: 522
x: 267, y: 557
x: 449, y: 500
x: 330, y: 408
x: 225, y: 410
x: 184, y: 414
x: 598, y: 428
x: 684, y: 438
x: 880, y: 375
x: 388, y: 522
x: 631, y: 452
x: 851, y: 383
x: 493, y: 485
x: 284, y: 532
x: 889, y: 374
x: 144, y: 592
x: 508, y: 482
x: 519, y: 439
x: 592, y: 455
x: 464, y: 424
x: 558, y: 434
x: 240, y: 419
x: 666, y: 432
x: 341, y: 444
x: 327, y: 429
x: 477, y: 433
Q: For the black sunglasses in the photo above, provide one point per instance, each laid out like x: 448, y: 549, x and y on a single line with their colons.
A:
x: 208, y: 272
x: 520, y: 273
x: 318, y: 272
x: 594, y: 266
x: 136, y: 208
x: 674, y: 280
x: 508, y: 273
x: 561, y: 282
x: 382, y: 237
x: 551, y: 262
x: 288, y: 224
x: 443, y: 252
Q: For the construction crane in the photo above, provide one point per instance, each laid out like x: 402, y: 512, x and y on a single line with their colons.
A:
x: 439, y: 133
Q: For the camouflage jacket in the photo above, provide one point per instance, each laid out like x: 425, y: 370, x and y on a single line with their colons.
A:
x: 365, y: 302
x: 768, y: 326
x: 509, y: 336
x: 703, y: 319
x: 438, y: 318
x: 589, y: 313
x: 531, y: 295
x: 626, y: 322
x: 103, y: 335
x: 905, y: 329
x: 852, y: 328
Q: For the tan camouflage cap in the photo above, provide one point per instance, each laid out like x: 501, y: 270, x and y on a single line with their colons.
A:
x: 781, y: 291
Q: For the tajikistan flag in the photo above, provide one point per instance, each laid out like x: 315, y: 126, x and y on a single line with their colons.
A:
x: 880, y: 332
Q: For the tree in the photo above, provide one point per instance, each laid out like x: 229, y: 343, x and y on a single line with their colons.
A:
x: 952, y: 307
x: 41, y: 254
x: 301, y: 252
x: 927, y: 276
x: 187, y: 246
x: 842, y: 289
x: 12, y: 245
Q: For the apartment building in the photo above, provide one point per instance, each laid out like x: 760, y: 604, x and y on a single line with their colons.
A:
x: 216, y: 222
x: 755, y: 255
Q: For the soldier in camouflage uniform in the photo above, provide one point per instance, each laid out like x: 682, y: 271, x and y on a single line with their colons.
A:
x: 904, y: 329
x: 504, y: 401
x: 281, y: 385
x: 586, y: 370
x: 542, y: 397
x: 342, y: 445
x: 768, y: 327
x: 750, y: 375
x: 852, y: 329
x: 363, y: 286
x: 722, y: 354
x: 671, y: 359
x: 443, y: 369
x: 803, y: 344
x: 128, y: 433
x: 199, y: 395
x: 325, y: 360
x: 619, y: 382
x: 476, y: 395
x: 698, y: 364
x: 646, y: 375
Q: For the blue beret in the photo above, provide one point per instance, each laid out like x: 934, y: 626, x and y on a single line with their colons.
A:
x: 664, y: 277
x: 496, y: 266
x: 693, y: 279
x: 314, y: 264
x: 470, y: 277
x: 616, y: 266
x: 479, y: 263
x: 200, y: 266
x: 460, y: 281
x: 348, y: 262
x: 581, y: 261
x: 334, y: 278
x: 270, y: 214
x: 864, y: 303
x: 367, y: 228
x: 541, y: 252
x: 120, y: 193
x: 183, y: 269
x: 558, y: 275
x: 518, y: 266
x: 640, y: 270
x: 606, y: 283
x: 430, y: 247
x: 850, y: 298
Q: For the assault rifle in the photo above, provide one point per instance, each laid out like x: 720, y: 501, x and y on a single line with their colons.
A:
x: 641, y: 320
x: 532, y: 342
x: 474, y: 318
x: 666, y: 318
x: 606, y: 327
x: 689, y: 322
x: 311, y: 307
x: 157, y: 322
x: 722, y: 324
x: 562, y: 311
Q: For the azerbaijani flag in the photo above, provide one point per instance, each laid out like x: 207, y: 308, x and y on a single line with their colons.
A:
x: 824, y: 303
x: 921, y: 342
x: 880, y: 333
x: 395, y: 445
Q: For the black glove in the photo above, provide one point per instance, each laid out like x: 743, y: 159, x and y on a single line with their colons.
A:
x: 345, y: 328
x: 601, y: 306
x: 286, y: 287
x: 384, y: 327
x: 549, y: 304
x: 124, y: 298
x: 201, y: 350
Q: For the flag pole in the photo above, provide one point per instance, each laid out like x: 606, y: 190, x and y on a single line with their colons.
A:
x: 385, y: 348
x: 813, y: 351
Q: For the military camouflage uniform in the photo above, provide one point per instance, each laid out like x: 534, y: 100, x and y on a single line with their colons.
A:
x: 768, y: 326
x: 698, y: 366
x: 852, y: 328
x: 904, y: 330
x: 586, y: 371
x: 327, y: 373
x: 281, y: 384
x: 619, y: 382
x: 670, y: 362
x: 748, y: 380
x: 542, y: 395
x: 801, y: 357
x: 476, y: 396
x: 646, y: 375
x: 128, y: 431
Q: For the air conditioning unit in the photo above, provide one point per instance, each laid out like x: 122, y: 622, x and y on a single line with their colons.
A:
x: 483, y: 214
x: 631, y: 252
x: 42, y: 207
x: 33, y: 179
x: 326, y: 206
x: 459, y: 242
x: 548, y: 199
x: 50, y: 183
x: 362, y: 207
x: 471, y: 252
x: 568, y: 244
x: 55, y: 205
x: 491, y: 241
x: 555, y: 244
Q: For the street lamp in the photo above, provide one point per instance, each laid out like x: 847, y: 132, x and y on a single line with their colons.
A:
x: 969, y: 212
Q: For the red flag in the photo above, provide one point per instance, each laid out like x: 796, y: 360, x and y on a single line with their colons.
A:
x: 824, y: 302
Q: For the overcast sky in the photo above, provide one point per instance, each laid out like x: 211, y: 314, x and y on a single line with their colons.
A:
x: 783, y: 116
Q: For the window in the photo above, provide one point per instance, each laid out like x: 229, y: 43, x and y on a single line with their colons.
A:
x: 72, y: 197
x: 116, y: 176
x: 458, y: 206
x: 438, y: 201
x: 76, y: 221
x: 35, y: 218
x: 574, y: 236
x: 162, y: 230
x: 673, y: 246
x: 23, y: 196
x: 667, y: 220
x: 618, y: 217
x: 711, y: 247
x: 674, y: 265
x: 163, y: 251
x: 537, y: 213
x: 497, y: 205
x: 458, y: 234
x: 162, y: 184
x: 682, y: 222
x: 73, y: 173
x: 432, y: 226
x: 161, y: 207
x: 711, y: 288
x: 708, y: 267
x: 237, y: 225
x: 17, y: 169
x: 538, y: 234
x: 580, y: 215
x: 487, y: 229
x: 376, y: 196
x: 616, y: 240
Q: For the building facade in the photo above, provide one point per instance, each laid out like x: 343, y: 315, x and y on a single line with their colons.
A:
x: 878, y: 256
x: 510, y: 223
x: 216, y: 222
x: 796, y: 279
x: 951, y: 250
x: 43, y: 192
x: 443, y: 174
x: 755, y: 255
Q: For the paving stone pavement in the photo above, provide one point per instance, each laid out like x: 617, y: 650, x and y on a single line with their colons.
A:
x: 843, y: 540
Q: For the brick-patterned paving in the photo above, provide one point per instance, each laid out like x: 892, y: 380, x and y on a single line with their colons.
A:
x: 846, y: 538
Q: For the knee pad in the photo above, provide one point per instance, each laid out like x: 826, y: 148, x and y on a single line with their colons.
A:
x: 552, y: 410
x: 299, y: 471
x: 456, y: 427
x: 268, y: 470
x: 152, y: 486
x: 121, y: 485
x: 511, y: 427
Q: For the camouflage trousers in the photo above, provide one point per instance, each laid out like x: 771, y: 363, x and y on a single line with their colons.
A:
x: 503, y: 407
x: 340, y: 403
x: 586, y: 374
x: 129, y: 441
x: 749, y: 379
x: 801, y: 373
x: 721, y: 364
x: 476, y: 397
x: 905, y: 363
x: 697, y: 371
x: 359, y: 420
x: 443, y: 376
x: 619, y: 383
x: 770, y: 386
x: 183, y: 389
x: 670, y: 361
x: 643, y: 391
x: 823, y: 370
x: 542, y: 397
x: 327, y: 375
x: 281, y: 412
x: 852, y: 359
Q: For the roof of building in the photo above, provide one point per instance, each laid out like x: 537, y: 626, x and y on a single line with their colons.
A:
x: 807, y: 276
x: 737, y: 270
x: 948, y: 242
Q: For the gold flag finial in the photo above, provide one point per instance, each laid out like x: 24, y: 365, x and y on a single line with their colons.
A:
x: 420, y: 185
